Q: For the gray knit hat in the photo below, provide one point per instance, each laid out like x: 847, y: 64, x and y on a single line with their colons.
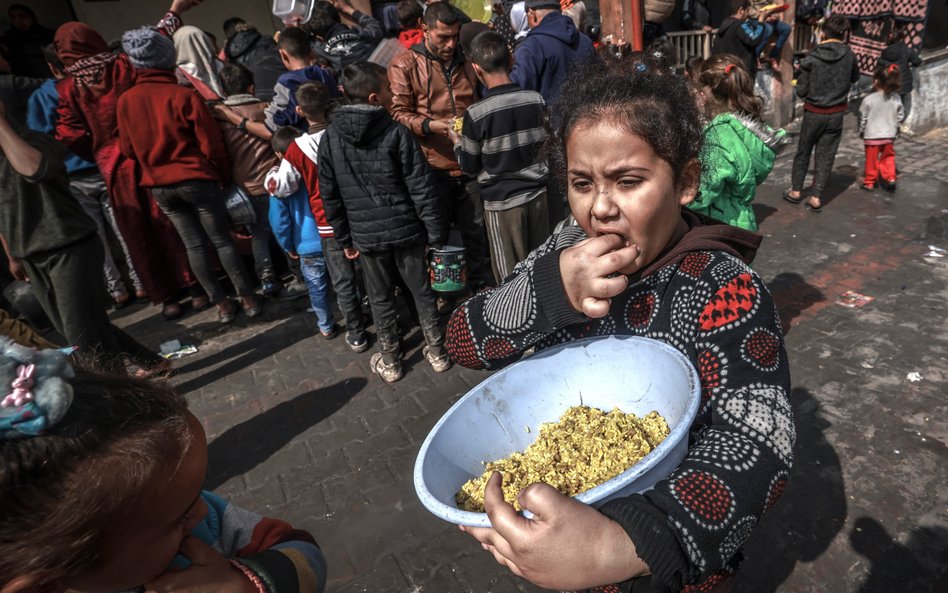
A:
x: 147, y: 47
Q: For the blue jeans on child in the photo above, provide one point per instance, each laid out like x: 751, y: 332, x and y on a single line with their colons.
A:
x: 317, y: 281
x: 783, y: 32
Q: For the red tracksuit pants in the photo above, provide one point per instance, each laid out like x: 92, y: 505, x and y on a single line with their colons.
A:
x: 880, y: 162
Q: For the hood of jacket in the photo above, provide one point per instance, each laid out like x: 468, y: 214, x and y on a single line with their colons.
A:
x: 728, y: 24
x: 559, y: 27
x: 241, y: 43
x: 830, y: 52
x: 155, y: 75
x: 360, y: 124
x: 761, y: 142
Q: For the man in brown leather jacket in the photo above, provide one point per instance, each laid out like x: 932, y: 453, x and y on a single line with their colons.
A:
x: 432, y: 84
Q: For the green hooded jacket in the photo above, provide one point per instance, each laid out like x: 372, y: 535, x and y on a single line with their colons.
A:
x: 737, y: 156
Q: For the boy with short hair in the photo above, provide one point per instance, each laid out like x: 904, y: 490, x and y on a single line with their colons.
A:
x: 741, y: 36
x: 299, y: 168
x: 296, y: 51
x: 410, y: 14
x: 826, y: 76
x: 512, y: 177
x: 251, y: 158
x: 380, y: 199
x: 294, y: 228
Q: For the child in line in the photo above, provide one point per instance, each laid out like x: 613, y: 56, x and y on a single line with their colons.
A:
x: 410, y: 14
x: 101, y: 491
x: 511, y: 174
x: 170, y: 132
x: 826, y: 75
x: 299, y: 168
x: 295, y: 230
x: 899, y: 53
x: 251, y: 158
x: 741, y: 35
x: 632, y: 261
x: 380, y: 199
x: 296, y: 51
x: 880, y: 116
x: 739, y: 149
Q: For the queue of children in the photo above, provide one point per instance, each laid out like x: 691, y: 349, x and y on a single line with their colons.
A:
x: 659, y: 173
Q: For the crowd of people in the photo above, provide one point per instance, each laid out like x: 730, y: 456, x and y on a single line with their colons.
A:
x: 595, y: 192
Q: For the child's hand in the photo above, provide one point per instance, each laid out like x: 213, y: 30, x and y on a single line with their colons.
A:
x: 209, y: 571
x: 292, y: 255
x: 586, y: 268
x: 350, y: 252
x: 567, y: 545
x: 453, y: 136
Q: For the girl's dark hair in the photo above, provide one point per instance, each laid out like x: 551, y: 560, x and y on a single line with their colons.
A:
x: 888, y: 78
x: 634, y: 92
x: 730, y: 84
x: 61, y: 493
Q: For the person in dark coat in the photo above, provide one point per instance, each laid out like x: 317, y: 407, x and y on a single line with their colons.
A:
x: 906, y: 58
x: 553, y: 44
x: 740, y: 36
x: 379, y: 196
x: 338, y: 44
x: 259, y: 54
x: 23, y: 44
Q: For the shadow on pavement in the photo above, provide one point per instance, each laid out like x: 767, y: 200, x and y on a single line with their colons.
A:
x: 793, y: 295
x: 810, y: 513
x: 919, y: 565
x: 246, y: 445
x: 762, y: 211
x: 239, y: 356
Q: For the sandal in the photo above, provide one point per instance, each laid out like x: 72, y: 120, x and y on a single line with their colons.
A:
x: 815, y: 209
x: 171, y: 311
x: 791, y: 199
x: 227, y: 313
x: 255, y: 309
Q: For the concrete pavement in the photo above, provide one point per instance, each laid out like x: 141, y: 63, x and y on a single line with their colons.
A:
x: 299, y: 428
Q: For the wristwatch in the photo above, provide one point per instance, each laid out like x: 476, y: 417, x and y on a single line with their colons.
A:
x: 242, y: 126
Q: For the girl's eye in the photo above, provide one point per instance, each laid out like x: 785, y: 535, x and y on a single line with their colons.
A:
x: 581, y: 185
x: 628, y: 184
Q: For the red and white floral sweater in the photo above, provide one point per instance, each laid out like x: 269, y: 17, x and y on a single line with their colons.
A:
x: 712, y: 307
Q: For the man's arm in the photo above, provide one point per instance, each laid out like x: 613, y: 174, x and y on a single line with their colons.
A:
x: 404, y: 104
x: 24, y: 159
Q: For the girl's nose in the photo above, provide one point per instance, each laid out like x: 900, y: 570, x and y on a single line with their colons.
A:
x: 604, y: 206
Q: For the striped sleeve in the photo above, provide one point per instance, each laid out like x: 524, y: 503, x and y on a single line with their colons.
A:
x: 284, y: 559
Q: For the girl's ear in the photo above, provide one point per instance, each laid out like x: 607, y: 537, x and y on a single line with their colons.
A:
x: 689, y: 182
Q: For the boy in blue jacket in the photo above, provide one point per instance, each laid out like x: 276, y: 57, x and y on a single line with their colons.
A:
x: 296, y: 51
x: 295, y: 230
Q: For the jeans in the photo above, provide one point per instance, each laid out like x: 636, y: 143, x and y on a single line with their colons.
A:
x: 382, y: 268
x: 317, y: 281
x: 783, y: 32
x: 461, y: 203
x: 345, y: 278
x: 260, y: 242
x: 197, y: 211
x: 93, y: 195
x: 820, y: 132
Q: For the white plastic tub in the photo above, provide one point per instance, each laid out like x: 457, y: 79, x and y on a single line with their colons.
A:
x: 490, y: 422
x: 290, y: 10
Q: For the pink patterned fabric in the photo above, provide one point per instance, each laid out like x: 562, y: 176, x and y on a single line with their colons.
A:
x: 876, y: 18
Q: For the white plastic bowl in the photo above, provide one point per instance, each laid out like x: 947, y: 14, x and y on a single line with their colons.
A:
x: 634, y: 374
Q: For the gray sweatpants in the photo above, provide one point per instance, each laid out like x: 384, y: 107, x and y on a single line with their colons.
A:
x: 92, y: 194
x: 513, y: 233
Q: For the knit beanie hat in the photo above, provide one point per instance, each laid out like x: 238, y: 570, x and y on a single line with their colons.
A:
x: 149, y: 48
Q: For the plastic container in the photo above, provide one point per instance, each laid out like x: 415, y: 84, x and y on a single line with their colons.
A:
x: 490, y: 422
x: 293, y: 10
x: 447, y: 269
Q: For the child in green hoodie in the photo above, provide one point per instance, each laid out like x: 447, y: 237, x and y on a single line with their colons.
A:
x: 739, y: 149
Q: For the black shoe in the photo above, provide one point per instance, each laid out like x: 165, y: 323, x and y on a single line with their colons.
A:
x: 292, y: 291
x: 357, y: 343
x: 888, y: 186
x: 271, y: 287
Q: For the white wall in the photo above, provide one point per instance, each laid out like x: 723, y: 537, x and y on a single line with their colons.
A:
x: 929, y: 107
x: 113, y: 17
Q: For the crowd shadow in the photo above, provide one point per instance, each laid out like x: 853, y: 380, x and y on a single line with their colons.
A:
x: 920, y: 565
x: 792, y: 296
x: 809, y: 515
x: 248, y: 444
x: 239, y: 356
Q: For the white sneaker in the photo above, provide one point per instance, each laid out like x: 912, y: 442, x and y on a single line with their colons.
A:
x: 439, y: 363
x: 388, y: 372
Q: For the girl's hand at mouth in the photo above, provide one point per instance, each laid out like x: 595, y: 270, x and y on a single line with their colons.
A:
x: 588, y: 271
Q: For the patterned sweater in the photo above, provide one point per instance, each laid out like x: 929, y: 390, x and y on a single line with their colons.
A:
x: 274, y: 555
x: 689, y: 529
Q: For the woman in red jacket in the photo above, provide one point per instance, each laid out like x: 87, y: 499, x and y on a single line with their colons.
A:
x: 87, y: 124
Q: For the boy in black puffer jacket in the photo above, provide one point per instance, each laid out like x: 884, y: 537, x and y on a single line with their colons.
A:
x: 378, y: 193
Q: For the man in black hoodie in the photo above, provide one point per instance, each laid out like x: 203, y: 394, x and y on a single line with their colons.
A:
x: 740, y: 36
x: 336, y: 43
x: 379, y: 196
x: 826, y: 76
x: 259, y: 54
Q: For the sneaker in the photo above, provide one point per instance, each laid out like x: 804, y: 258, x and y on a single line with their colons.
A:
x: 388, y: 372
x: 439, y: 363
x: 888, y: 186
x: 332, y: 333
x: 357, y: 342
x: 293, y: 291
